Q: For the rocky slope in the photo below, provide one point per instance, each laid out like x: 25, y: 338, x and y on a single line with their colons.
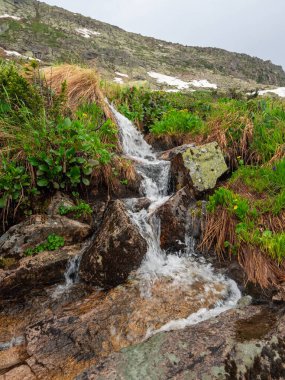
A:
x: 53, y: 34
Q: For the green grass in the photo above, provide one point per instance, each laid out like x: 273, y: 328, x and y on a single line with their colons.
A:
x: 175, y: 122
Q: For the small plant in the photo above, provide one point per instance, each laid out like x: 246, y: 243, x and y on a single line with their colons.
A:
x: 52, y: 243
x: 82, y: 209
x: 14, y: 180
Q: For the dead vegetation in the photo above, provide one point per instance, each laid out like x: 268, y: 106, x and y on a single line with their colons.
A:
x: 83, y: 85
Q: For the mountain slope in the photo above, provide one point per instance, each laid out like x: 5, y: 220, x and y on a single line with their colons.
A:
x: 53, y: 34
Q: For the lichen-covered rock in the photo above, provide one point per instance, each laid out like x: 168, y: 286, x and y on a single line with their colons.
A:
x: 36, y: 229
x: 117, y: 249
x: 206, y: 164
x: 240, y: 344
x: 197, y: 166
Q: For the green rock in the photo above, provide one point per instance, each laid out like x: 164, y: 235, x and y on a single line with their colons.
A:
x: 206, y: 164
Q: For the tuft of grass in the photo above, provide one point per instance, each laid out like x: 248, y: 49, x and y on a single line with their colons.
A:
x: 83, y: 86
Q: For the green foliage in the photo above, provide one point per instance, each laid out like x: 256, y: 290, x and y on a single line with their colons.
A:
x: 234, y: 203
x: 269, y: 180
x: 17, y: 94
x: 14, y: 181
x: 52, y: 243
x: 142, y: 105
x: 42, y: 150
x: 82, y: 209
x: 174, y: 122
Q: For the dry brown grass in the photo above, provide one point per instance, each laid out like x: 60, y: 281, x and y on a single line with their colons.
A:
x: 259, y: 267
x: 279, y: 154
x: 232, y: 148
x: 217, y: 228
x: 83, y: 85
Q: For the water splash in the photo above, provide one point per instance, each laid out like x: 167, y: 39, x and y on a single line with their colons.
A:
x: 71, y: 276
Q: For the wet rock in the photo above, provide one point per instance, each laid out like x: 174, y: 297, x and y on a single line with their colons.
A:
x: 197, y: 166
x: 45, y: 268
x: 251, y: 346
x: 138, y: 204
x: 105, y: 322
x: 117, y: 249
x: 99, y: 207
x: 174, y: 219
x: 36, y: 229
x: 22, y: 372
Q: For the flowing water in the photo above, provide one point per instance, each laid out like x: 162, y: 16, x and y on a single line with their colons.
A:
x: 167, y: 292
x: 182, y: 273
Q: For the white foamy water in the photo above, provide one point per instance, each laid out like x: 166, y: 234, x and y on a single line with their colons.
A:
x: 183, y: 269
x: 71, y: 275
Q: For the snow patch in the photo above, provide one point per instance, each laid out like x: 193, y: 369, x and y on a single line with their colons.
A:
x: 87, y: 33
x: 121, y: 75
x: 171, y: 81
x: 118, y: 80
x: 12, y: 53
x: 5, y: 15
x: 278, y: 91
x: 203, y: 83
x: 180, y: 84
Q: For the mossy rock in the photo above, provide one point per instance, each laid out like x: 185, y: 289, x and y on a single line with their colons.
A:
x: 206, y: 164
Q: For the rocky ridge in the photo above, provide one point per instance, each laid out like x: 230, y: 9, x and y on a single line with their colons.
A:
x: 35, y: 29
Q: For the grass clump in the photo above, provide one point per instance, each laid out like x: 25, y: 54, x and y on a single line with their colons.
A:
x: 247, y: 219
x: 52, y: 243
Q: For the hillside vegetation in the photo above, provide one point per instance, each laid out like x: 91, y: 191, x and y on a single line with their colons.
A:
x: 53, y: 35
x: 58, y: 133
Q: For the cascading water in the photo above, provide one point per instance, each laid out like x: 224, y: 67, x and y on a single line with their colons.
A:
x: 179, y: 272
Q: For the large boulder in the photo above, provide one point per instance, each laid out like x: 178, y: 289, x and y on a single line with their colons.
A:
x: 198, y: 166
x: 117, y: 249
x: 36, y: 229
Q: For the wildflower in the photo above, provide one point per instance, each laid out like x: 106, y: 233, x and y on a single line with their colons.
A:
x: 235, y: 207
x: 274, y: 168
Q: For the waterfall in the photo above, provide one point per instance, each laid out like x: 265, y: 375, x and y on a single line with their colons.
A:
x: 183, y: 269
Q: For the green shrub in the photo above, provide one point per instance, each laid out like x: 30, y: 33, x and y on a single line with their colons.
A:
x: 178, y: 122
